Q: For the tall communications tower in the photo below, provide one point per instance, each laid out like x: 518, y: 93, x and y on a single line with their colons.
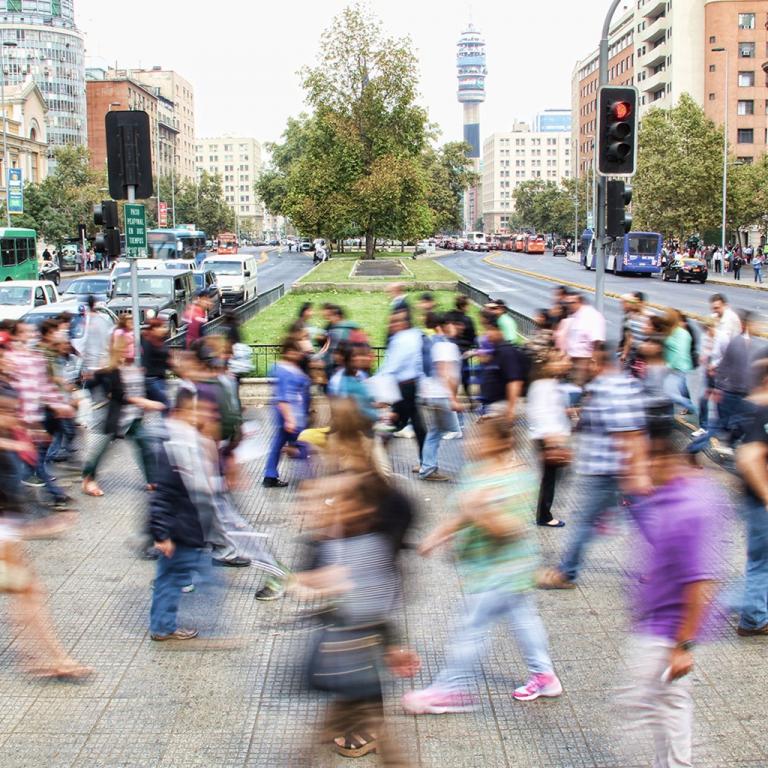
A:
x: 471, y: 70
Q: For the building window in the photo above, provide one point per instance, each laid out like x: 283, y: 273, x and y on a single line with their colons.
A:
x: 747, y: 50
x: 745, y: 160
x: 746, y: 21
x: 746, y: 79
x: 711, y: 96
x: 712, y: 39
x: 745, y: 107
x: 712, y: 68
x: 745, y: 136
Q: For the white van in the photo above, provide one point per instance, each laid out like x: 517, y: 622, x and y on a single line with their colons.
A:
x: 236, y: 276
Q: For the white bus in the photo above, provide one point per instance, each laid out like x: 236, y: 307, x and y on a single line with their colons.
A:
x: 475, y: 237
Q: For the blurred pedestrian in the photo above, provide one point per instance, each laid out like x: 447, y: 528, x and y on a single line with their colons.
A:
x: 752, y: 462
x: 679, y: 522
x: 550, y: 429
x: 466, y: 339
x: 610, y: 458
x: 586, y: 330
x: 127, y: 401
x: 505, y: 321
x: 757, y: 267
x: 291, y: 405
x: 497, y: 552
x: 155, y: 358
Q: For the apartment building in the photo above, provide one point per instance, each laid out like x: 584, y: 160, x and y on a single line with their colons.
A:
x: 517, y: 156
x: 237, y: 160
x: 736, y: 52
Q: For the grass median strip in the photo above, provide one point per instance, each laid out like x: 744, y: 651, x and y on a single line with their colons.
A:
x: 339, y: 270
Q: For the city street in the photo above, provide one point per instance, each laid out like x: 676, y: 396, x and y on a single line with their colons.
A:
x: 241, y: 700
x: 528, y: 292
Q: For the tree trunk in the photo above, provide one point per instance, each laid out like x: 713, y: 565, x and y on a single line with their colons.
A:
x: 370, y: 245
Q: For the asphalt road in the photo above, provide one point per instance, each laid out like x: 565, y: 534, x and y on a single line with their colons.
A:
x: 529, y: 292
x: 275, y: 267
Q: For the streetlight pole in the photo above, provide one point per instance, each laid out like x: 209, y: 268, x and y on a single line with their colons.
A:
x: 6, y: 158
x: 173, y: 190
x: 725, y: 147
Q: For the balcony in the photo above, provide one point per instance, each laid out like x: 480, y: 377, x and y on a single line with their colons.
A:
x: 652, y: 7
x: 652, y: 83
x: 653, y: 56
x: 655, y: 30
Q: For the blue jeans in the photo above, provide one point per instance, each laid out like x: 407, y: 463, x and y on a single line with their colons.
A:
x: 597, y: 493
x: 62, y: 440
x: 731, y: 411
x: 439, y: 419
x: 280, y: 439
x: 41, y: 470
x: 676, y: 389
x: 157, y: 390
x: 758, y: 273
x: 754, y: 610
x: 173, y: 573
x: 485, y: 610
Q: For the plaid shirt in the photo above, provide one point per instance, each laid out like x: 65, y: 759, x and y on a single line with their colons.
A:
x: 613, y: 403
x: 29, y: 377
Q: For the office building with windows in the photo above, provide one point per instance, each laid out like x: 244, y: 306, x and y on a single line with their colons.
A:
x: 512, y: 158
x: 46, y: 46
x: 237, y: 161
x: 738, y: 29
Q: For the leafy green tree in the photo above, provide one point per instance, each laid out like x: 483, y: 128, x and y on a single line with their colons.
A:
x: 450, y: 173
x: 679, y: 169
x: 545, y: 206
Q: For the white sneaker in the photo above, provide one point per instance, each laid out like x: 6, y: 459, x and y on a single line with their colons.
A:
x: 452, y: 436
x: 406, y: 431
x: 699, y: 433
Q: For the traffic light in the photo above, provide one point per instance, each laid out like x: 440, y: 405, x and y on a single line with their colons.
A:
x: 616, y: 130
x: 129, y: 154
x: 618, y: 221
x: 107, y: 241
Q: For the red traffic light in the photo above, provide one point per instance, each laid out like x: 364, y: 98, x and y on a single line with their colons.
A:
x: 621, y: 110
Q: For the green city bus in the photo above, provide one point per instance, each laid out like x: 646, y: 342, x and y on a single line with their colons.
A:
x: 18, y: 254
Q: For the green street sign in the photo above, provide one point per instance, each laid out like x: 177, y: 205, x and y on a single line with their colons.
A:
x: 135, y: 230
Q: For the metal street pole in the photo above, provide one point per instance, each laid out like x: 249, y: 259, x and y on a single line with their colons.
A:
x: 576, y: 198
x: 173, y: 190
x: 601, y: 184
x: 6, y: 158
x: 725, y: 148
x: 135, y: 311
x: 157, y: 162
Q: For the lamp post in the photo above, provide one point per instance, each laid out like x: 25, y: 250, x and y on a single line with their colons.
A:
x: 6, y: 159
x: 725, y: 146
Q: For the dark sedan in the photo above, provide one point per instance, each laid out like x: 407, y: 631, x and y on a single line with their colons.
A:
x: 685, y: 270
x: 560, y: 250
x: 82, y: 287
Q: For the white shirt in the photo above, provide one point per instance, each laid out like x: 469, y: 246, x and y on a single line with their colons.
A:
x: 444, y: 355
x: 585, y: 328
x: 728, y: 327
x: 545, y: 409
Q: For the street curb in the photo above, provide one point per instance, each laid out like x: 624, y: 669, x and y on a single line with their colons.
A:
x: 737, y: 284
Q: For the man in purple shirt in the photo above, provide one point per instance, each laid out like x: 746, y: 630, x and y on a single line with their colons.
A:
x: 678, y: 521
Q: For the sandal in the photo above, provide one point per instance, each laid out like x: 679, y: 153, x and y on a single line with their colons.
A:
x: 91, y: 488
x: 355, y: 744
x: 68, y: 670
x: 552, y: 524
x: 551, y: 578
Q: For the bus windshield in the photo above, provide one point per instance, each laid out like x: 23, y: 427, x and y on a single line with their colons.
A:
x: 148, y: 286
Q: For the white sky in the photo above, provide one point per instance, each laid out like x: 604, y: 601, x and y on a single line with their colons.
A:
x: 242, y: 56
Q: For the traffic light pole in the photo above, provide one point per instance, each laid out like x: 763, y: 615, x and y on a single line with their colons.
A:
x: 601, y: 182
x: 135, y: 311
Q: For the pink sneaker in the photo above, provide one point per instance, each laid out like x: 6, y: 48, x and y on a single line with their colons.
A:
x: 543, y: 684
x: 437, y: 701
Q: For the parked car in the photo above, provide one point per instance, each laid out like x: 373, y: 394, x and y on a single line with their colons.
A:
x: 206, y: 280
x: 17, y: 297
x: 82, y: 287
x: 685, y: 270
x: 560, y: 250
x: 79, y: 319
x: 306, y: 245
x: 482, y: 247
x: 49, y: 270
x: 162, y: 293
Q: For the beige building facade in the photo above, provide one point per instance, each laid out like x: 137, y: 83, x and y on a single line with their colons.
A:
x: 237, y: 160
x: 514, y: 157
x: 26, y: 113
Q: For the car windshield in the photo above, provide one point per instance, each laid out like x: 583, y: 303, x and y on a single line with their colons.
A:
x: 226, y: 267
x: 179, y: 265
x: 15, y: 295
x: 199, y: 279
x: 87, y: 286
x: 148, y: 286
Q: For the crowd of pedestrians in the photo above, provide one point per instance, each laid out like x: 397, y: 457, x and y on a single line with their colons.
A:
x: 603, y: 410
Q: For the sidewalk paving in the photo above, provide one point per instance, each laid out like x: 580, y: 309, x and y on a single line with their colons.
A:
x: 151, y: 704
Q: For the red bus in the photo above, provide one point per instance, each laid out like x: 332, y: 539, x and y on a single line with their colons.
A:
x: 534, y: 244
x: 227, y: 243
